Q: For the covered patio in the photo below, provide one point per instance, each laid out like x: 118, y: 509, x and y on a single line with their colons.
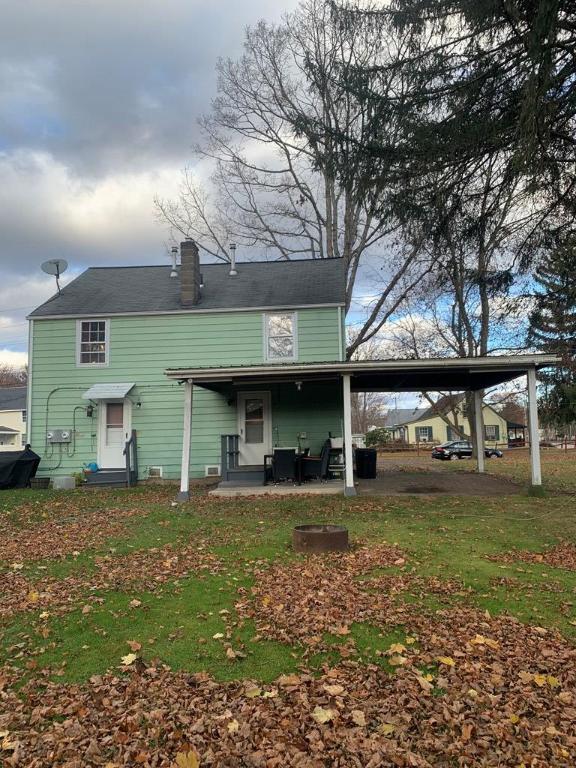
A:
x: 430, y: 375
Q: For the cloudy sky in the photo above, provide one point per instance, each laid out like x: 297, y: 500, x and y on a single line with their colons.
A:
x: 98, y: 107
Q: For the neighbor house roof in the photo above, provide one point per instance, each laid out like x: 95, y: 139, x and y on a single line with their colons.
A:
x: 8, y: 431
x: 258, y: 284
x: 399, y: 416
x: 12, y: 398
x: 443, y: 405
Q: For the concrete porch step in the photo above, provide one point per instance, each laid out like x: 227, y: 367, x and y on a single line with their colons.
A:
x: 251, y: 473
x: 107, y: 477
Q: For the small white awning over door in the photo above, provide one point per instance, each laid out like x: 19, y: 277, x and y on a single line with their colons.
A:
x: 109, y: 391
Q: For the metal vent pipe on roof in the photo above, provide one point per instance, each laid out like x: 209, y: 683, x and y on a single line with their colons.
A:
x: 233, y: 270
x: 174, y: 254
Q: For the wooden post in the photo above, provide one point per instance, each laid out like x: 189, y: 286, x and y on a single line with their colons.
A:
x: 533, y: 429
x: 184, y: 494
x: 479, y: 430
x: 349, y: 489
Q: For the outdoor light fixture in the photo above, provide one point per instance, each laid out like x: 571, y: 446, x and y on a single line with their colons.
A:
x: 89, y: 411
x: 138, y: 404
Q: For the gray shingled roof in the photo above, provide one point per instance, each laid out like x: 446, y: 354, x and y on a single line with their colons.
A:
x: 12, y: 398
x: 109, y: 290
x: 399, y: 416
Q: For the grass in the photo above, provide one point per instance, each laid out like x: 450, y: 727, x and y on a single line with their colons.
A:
x: 444, y: 537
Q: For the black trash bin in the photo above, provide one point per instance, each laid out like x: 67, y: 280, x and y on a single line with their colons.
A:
x: 366, y: 463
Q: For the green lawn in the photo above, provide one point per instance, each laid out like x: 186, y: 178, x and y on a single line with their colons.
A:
x: 175, y: 621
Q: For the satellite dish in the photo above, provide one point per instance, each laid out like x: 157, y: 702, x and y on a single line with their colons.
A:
x: 55, y: 267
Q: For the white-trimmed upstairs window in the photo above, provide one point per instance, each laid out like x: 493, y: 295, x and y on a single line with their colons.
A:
x: 280, y: 336
x: 92, y: 342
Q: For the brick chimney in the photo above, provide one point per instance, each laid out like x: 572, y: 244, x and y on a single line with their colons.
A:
x: 189, y: 274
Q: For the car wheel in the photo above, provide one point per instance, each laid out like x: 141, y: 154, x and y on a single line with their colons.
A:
x: 454, y: 457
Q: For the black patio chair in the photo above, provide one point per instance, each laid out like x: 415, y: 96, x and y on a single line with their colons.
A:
x: 280, y: 466
x: 317, y: 466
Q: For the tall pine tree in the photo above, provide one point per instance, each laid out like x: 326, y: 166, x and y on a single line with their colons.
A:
x: 553, y: 328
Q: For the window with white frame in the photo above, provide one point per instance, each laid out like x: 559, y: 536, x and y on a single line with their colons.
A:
x: 492, y: 431
x: 280, y: 336
x: 24, y: 416
x: 93, y: 341
x: 423, y: 434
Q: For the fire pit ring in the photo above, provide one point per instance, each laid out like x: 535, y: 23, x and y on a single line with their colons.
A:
x: 320, y: 538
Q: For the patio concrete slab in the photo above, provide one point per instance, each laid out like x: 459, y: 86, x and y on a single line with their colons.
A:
x: 317, y: 489
x: 398, y: 483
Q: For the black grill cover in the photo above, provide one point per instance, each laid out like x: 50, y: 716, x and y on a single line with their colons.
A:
x: 17, y: 468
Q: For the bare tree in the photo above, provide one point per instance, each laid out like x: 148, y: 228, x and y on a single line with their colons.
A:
x: 471, y: 305
x: 11, y: 376
x: 367, y: 410
x: 277, y: 186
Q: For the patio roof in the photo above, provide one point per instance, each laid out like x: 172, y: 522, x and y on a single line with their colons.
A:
x: 432, y: 374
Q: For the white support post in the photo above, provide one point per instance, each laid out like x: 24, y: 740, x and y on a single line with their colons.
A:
x: 184, y: 493
x: 533, y: 428
x: 349, y: 489
x: 479, y: 430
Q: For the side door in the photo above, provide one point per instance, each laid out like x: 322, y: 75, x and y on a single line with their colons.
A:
x: 254, y: 427
x: 114, y: 425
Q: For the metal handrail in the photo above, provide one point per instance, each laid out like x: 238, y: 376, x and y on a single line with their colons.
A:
x: 229, y: 453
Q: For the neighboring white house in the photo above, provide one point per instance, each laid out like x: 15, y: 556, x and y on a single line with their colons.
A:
x: 12, y: 418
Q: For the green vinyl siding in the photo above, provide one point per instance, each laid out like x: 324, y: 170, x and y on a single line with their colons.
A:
x: 141, y: 348
x: 316, y: 410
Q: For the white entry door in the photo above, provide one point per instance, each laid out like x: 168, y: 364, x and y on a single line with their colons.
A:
x: 114, y: 426
x: 254, y: 427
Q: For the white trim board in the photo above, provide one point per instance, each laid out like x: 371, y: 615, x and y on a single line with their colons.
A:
x: 199, y: 311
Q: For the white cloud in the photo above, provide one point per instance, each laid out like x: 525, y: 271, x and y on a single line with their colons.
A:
x: 13, y: 359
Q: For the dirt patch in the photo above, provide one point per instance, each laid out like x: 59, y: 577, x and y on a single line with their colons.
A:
x: 392, y: 483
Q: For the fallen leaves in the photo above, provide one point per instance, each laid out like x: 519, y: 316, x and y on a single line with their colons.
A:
x: 491, y: 711
x: 563, y: 555
x: 334, y: 690
x: 146, y: 569
x: 69, y: 530
x: 188, y: 759
x: 322, y: 715
x: 358, y: 718
x: 465, y: 689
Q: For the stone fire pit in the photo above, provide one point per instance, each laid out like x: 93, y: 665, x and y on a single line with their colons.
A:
x: 320, y: 538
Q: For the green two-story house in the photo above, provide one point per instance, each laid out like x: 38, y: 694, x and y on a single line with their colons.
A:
x: 100, y: 350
